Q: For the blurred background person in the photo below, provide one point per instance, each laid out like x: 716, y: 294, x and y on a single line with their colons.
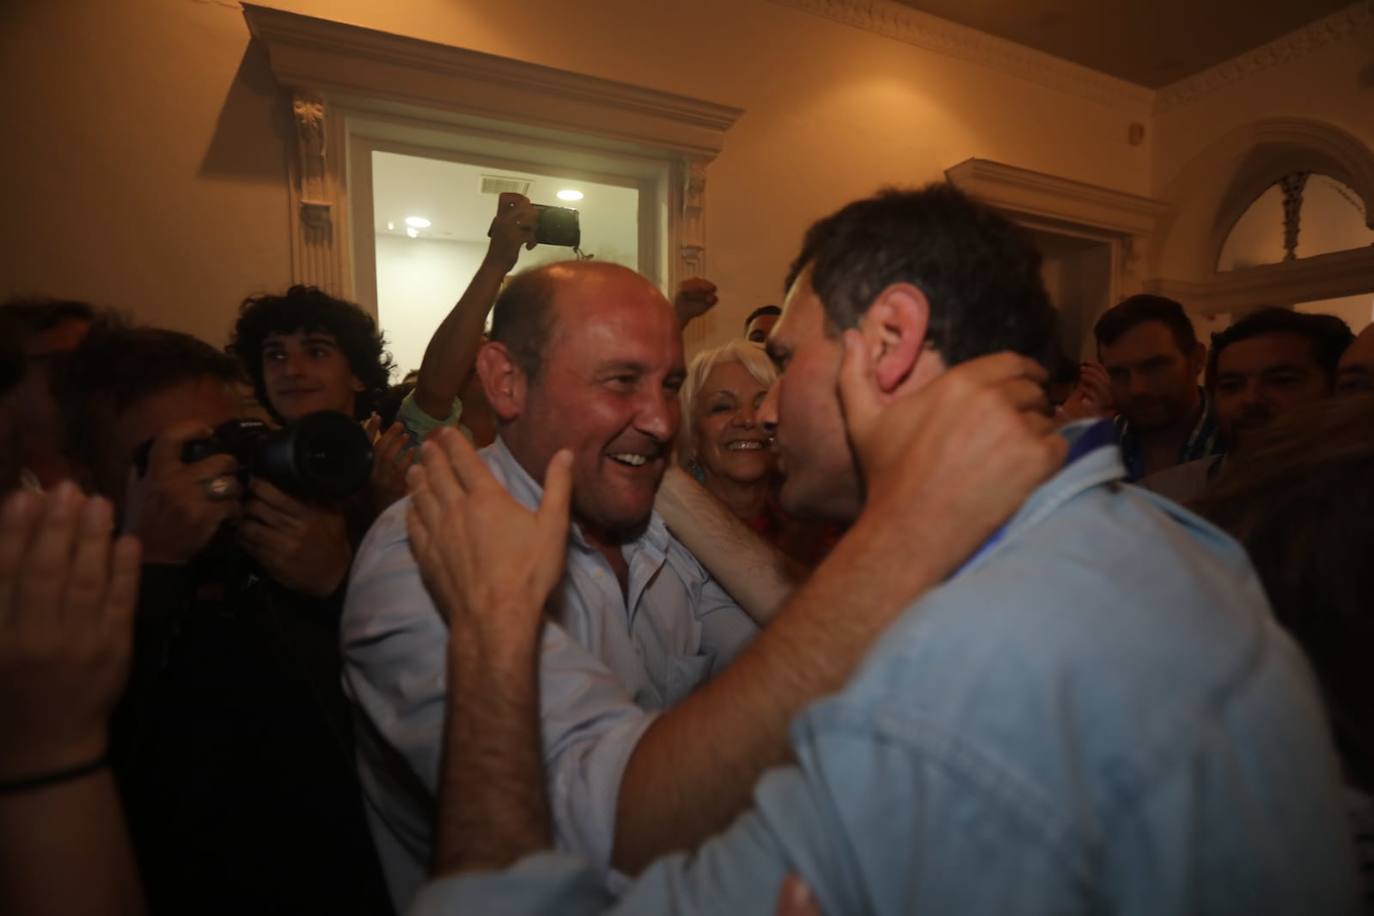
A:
x: 727, y: 450
x: 1152, y: 357
x: 760, y: 322
x: 1301, y: 500
x: 1355, y: 372
x: 43, y: 330
x: 1270, y: 363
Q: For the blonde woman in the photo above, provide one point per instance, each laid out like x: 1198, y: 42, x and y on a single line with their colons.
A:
x: 725, y: 447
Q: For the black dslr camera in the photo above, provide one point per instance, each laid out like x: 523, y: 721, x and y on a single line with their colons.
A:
x: 323, y: 455
x: 557, y: 226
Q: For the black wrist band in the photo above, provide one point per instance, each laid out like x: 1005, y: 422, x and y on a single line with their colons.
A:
x: 52, y: 777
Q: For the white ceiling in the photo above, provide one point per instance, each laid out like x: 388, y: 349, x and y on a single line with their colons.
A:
x: 1150, y: 42
x: 448, y: 195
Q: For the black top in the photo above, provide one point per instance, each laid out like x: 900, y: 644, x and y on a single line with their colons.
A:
x: 233, y: 753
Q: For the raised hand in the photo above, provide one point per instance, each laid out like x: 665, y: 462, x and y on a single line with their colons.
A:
x: 67, y: 598
x: 1091, y: 397
x: 391, y: 458
x: 695, y: 297
x: 489, y: 562
x: 514, y: 225
x: 301, y: 546
x: 958, y: 455
x: 175, y: 508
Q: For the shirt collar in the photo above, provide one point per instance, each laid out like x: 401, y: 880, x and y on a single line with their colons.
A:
x: 1094, y: 458
x: 528, y: 492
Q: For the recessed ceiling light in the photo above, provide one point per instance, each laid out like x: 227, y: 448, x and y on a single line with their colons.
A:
x: 390, y: 226
x: 417, y: 222
x: 569, y: 194
x: 412, y: 231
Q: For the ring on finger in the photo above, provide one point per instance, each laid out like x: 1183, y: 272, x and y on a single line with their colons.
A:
x: 219, y: 488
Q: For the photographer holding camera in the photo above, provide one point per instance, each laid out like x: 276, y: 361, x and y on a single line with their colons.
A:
x: 231, y: 747
x: 306, y: 351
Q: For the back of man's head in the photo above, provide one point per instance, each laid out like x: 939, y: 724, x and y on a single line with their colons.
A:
x: 1134, y: 311
x: 979, y: 273
x: 118, y: 366
x: 307, y: 308
x: 1327, y: 335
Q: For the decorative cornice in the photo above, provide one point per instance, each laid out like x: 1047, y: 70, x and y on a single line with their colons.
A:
x: 1323, y: 276
x: 326, y: 56
x: 1025, y: 192
x: 913, y: 27
x: 1314, y: 36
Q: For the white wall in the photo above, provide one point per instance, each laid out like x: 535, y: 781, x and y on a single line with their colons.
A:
x: 418, y: 281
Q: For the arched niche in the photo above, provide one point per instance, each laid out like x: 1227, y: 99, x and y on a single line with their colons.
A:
x: 1214, y: 190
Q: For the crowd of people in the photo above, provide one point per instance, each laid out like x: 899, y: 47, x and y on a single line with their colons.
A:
x: 848, y: 614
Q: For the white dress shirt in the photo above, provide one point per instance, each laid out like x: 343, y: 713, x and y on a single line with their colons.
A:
x: 600, y: 689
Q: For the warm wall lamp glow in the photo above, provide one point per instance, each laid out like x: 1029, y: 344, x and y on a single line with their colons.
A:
x: 412, y: 231
x: 417, y: 222
x: 569, y: 194
x: 390, y: 226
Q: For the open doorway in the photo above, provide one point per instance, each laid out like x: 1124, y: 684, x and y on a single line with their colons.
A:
x: 429, y: 220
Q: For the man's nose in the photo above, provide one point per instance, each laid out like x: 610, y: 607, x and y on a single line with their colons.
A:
x: 658, y: 415
x: 767, y: 414
x: 293, y: 364
x: 1251, y: 394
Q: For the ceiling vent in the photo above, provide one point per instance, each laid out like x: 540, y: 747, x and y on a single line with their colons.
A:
x: 497, y: 184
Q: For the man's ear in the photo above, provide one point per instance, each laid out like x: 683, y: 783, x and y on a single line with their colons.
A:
x: 503, y: 381
x: 894, y: 331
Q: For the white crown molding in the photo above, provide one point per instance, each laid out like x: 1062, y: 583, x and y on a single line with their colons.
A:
x: 1325, y: 276
x: 337, y: 73
x: 1024, y: 192
x: 1299, y: 43
x: 324, y: 56
x: 913, y: 27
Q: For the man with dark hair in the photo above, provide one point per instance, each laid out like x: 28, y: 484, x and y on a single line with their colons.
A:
x: 1153, y: 358
x: 1027, y: 736
x: 306, y: 351
x: 1268, y: 363
x: 1355, y: 372
x: 760, y: 322
x: 231, y: 745
x: 1271, y: 362
x: 652, y: 737
x: 43, y: 330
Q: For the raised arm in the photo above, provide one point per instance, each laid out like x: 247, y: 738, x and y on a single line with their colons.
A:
x: 944, y: 467
x: 452, y: 351
x: 490, y: 564
x: 755, y: 573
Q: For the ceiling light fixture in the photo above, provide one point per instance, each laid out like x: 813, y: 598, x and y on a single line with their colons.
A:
x: 569, y: 194
x: 412, y: 231
x: 390, y: 226
x: 417, y: 222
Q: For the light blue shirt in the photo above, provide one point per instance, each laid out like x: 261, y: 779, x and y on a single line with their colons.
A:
x: 1096, y: 715
x: 603, y: 673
